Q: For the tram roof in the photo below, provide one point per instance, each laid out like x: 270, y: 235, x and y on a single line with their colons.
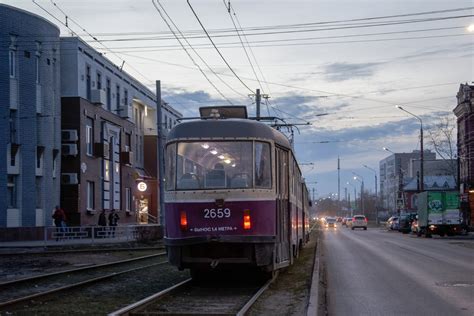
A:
x: 227, y: 128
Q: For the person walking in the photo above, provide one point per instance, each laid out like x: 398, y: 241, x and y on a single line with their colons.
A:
x: 102, y: 224
x: 113, y: 221
x: 59, y: 220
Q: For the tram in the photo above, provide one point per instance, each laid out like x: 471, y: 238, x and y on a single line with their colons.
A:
x: 234, y: 194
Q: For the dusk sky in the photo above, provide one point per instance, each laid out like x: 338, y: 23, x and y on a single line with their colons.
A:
x: 351, y: 68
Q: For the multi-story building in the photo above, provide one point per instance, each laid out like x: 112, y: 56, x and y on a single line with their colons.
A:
x: 109, y: 138
x: 465, y: 122
x: 394, y: 175
x: 30, y: 115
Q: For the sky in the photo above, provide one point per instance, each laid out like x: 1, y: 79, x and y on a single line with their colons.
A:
x: 335, y: 64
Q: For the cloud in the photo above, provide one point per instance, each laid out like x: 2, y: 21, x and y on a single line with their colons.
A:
x: 342, y: 71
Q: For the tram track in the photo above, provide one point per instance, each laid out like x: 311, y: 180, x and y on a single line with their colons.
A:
x: 21, y: 290
x: 78, y: 251
x: 190, y: 298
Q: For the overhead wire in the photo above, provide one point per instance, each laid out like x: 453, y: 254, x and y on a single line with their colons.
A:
x: 191, y: 57
x: 197, y: 54
x: 83, y: 29
x: 218, y: 51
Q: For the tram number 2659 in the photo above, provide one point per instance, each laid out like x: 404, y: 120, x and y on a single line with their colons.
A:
x: 216, y: 213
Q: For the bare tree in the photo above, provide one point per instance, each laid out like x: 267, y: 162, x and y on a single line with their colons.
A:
x: 442, y: 138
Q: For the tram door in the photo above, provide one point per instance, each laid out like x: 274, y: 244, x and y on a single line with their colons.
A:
x: 283, y: 250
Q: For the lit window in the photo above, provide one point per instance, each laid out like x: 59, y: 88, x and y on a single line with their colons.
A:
x: 128, y: 199
x: 89, y: 136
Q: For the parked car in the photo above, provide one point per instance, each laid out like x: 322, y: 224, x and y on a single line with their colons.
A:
x: 392, y: 223
x: 405, y: 221
x: 359, y: 221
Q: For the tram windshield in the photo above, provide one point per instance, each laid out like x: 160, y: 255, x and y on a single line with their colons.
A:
x: 218, y: 165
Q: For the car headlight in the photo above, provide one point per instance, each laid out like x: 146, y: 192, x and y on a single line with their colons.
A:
x: 432, y: 227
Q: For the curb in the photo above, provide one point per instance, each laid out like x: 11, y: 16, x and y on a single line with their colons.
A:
x: 314, y: 291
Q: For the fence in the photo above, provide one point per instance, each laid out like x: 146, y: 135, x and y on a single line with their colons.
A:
x: 87, y: 234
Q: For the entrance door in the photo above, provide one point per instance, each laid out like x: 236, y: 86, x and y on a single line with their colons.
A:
x: 283, y: 251
x: 142, y: 208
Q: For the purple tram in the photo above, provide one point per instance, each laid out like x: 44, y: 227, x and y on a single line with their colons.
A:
x: 234, y: 196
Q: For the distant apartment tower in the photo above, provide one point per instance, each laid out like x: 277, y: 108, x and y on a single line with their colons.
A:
x: 29, y: 118
x: 394, y: 174
x: 109, y: 139
x: 464, y: 112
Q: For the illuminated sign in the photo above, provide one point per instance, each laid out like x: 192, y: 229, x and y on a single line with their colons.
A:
x: 141, y: 186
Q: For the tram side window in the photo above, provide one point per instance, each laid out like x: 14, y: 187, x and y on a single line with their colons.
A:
x: 170, y: 166
x: 263, y: 173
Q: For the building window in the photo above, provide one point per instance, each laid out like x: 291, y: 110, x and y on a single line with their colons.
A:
x: 55, y: 164
x: 99, y: 81
x: 39, y: 157
x: 128, y: 141
x: 137, y: 152
x: 88, y: 82
x: 108, y: 92
x: 125, y: 97
x: 166, y: 122
x: 12, y: 59
x: 128, y: 199
x: 90, y: 195
x: 117, y: 91
x: 37, y: 67
x: 89, y: 136
x: 12, y: 198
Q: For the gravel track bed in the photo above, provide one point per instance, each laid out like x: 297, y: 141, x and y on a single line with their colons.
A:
x: 21, y: 266
x: 289, y: 294
x: 49, y: 283
x: 104, y: 297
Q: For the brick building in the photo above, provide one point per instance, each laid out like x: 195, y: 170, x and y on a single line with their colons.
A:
x: 109, y: 139
x: 465, y: 121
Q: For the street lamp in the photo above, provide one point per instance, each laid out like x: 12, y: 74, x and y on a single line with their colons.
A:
x: 422, y: 183
x: 355, y: 197
x: 361, y: 180
x: 386, y: 149
x: 376, y: 196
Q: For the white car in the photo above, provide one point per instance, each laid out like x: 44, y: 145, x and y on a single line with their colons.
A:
x: 359, y: 221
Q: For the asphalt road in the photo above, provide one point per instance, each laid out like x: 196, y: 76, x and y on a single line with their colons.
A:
x: 376, y: 272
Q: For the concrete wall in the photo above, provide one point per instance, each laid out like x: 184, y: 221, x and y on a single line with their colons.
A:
x: 36, y: 117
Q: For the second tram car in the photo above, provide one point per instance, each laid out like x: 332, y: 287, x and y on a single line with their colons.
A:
x: 234, y: 194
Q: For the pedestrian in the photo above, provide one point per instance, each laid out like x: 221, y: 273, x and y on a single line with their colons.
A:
x: 113, y: 221
x: 59, y: 220
x: 102, y: 223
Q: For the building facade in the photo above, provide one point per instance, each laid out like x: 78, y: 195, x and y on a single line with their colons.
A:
x: 465, y: 123
x: 109, y: 131
x: 30, y: 115
x: 394, y: 174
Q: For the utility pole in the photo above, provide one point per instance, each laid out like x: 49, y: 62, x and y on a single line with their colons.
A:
x: 338, y: 179
x: 161, y: 162
x: 258, y: 98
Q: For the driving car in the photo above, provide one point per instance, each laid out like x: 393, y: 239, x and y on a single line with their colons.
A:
x: 348, y: 222
x: 359, y: 221
x: 330, y: 222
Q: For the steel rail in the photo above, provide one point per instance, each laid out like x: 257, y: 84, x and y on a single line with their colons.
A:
x: 150, y: 300
x: 48, y: 252
x: 102, y: 265
x: 74, y: 285
x: 254, y: 298
x: 135, y: 307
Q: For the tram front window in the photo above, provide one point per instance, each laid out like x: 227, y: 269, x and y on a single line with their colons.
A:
x: 215, y: 165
